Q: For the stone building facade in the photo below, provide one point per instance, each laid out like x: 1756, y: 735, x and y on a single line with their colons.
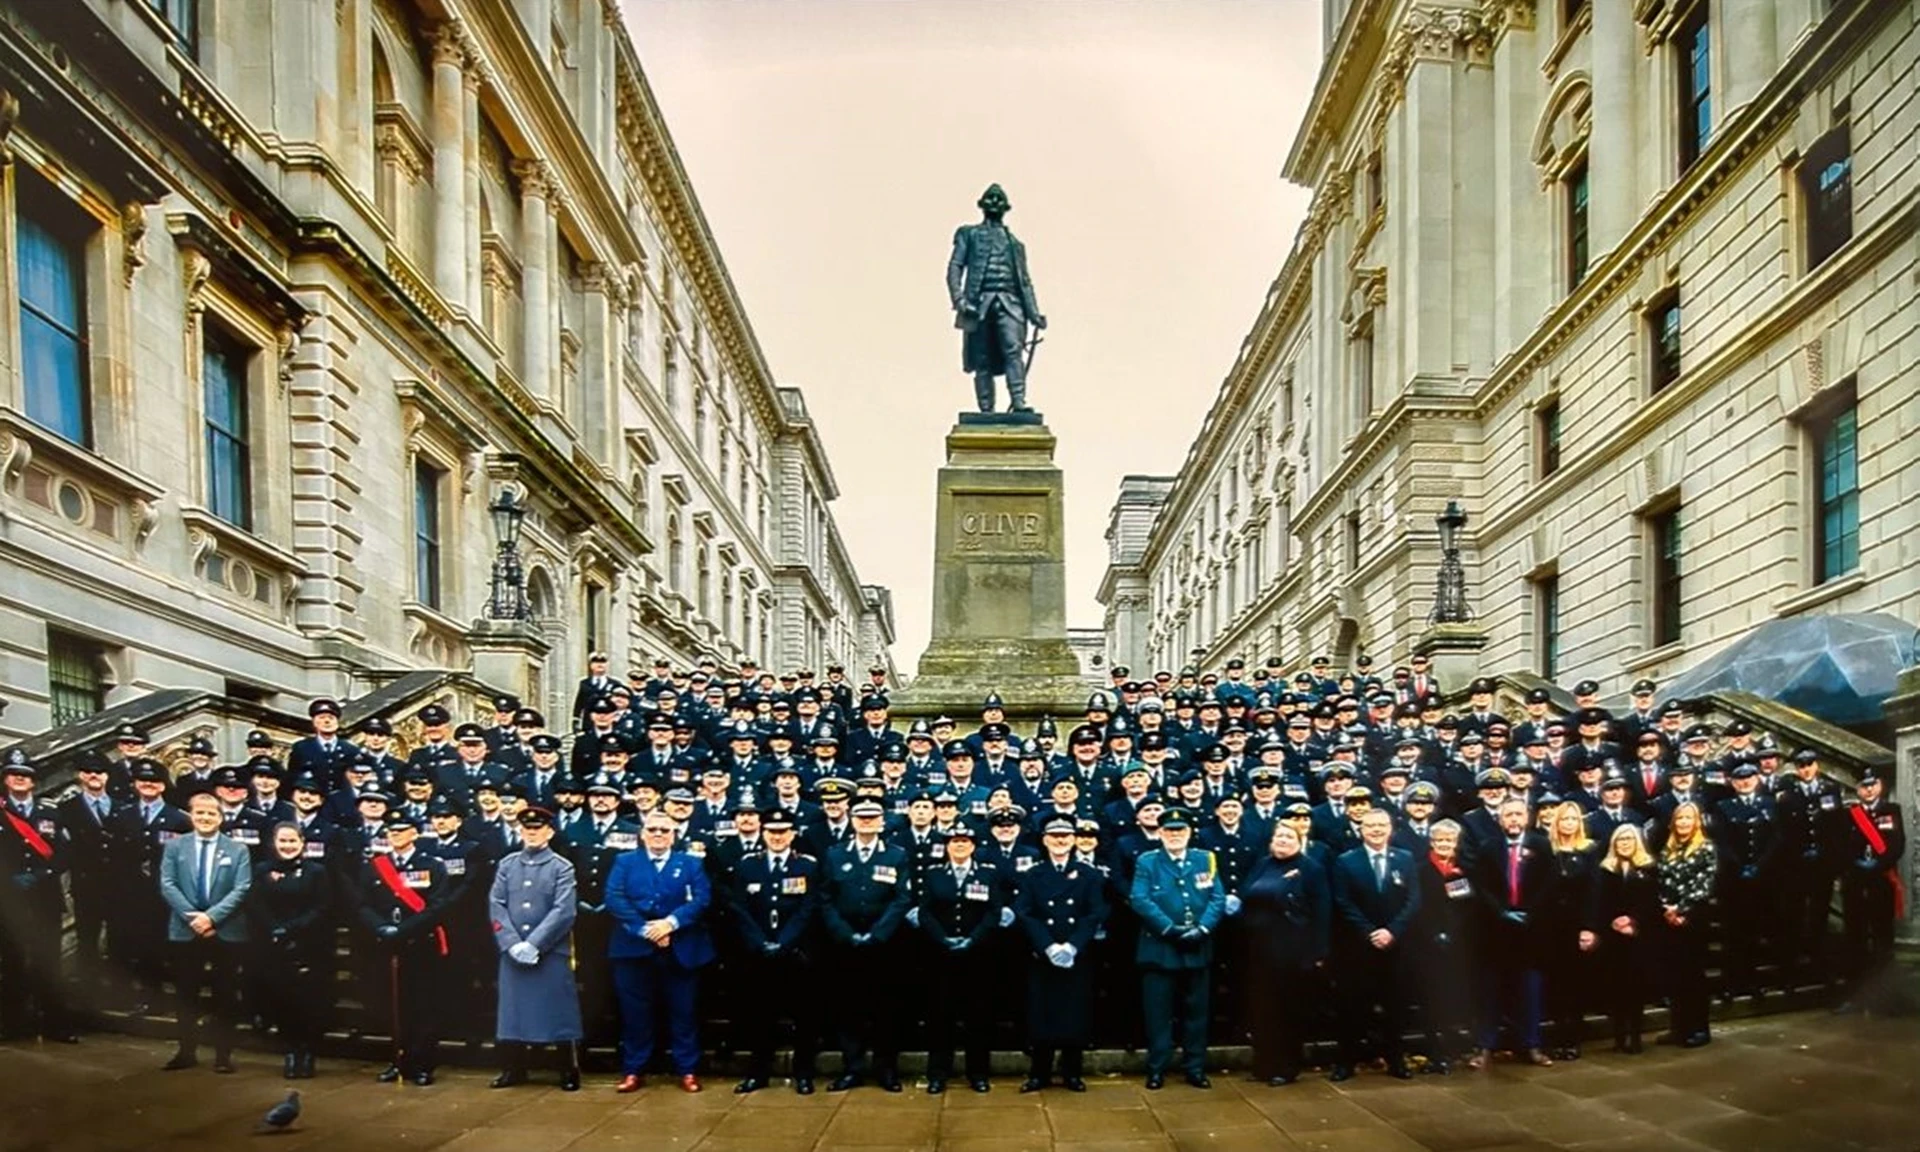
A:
x: 1632, y: 280
x: 295, y: 289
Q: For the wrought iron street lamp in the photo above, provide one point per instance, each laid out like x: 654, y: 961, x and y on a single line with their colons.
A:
x: 508, y: 600
x: 1450, y: 586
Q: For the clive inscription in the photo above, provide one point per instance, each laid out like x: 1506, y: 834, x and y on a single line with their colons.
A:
x: 999, y: 525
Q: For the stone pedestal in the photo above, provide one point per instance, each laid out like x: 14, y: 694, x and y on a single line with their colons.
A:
x: 1903, y: 712
x: 1455, y: 651
x: 999, y: 578
x: 509, y: 655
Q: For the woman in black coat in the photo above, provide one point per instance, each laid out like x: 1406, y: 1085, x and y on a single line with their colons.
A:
x: 1441, y: 950
x: 1626, y: 919
x: 1286, y: 906
x: 288, y: 914
x: 1569, y: 940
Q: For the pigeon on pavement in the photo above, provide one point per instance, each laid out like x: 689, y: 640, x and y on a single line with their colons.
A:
x: 281, y: 1116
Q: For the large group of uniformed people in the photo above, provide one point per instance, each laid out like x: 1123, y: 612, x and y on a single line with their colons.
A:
x: 1350, y: 856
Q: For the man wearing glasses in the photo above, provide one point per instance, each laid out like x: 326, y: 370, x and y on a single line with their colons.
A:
x: 658, y: 899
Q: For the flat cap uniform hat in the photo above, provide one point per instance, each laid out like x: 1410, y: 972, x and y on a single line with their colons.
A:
x: 1587, y: 688
x: 544, y: 742
x: 376, y: 726
x: 324, y: 706
x: 1806, y: 756
x: 1493, y: 778
x: 470, y: 733
x: 1084, y: 734
x: 433, y: 715
x: 1643, y: 688
x: 130, y: 734
x: 1175, y: 819
x: 146, y: 770
x: 1613, y: 782
x: 1058, y: 825
x: 955, y: 749
x: 776, y: 819
x: 534, y: 817
x: 1539, y: 696
x: 200, y: 746
x: 868, y: 808
x: 603, y: 785
x: 259, y: 739
x: 18, y: 765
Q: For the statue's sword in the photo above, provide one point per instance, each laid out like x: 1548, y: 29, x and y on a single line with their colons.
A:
x: 1032, y: 346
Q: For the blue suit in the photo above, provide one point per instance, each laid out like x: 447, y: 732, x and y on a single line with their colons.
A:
x: 647, y: 975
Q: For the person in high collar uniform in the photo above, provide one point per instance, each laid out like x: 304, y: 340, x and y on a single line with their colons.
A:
x: 1060, y: 904
x: 33, y: 855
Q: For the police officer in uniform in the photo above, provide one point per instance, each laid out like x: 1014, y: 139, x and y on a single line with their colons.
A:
x: 867, y: 890
x: 1813, y: 822
x: 1059, y: 906
x: 141, y: 832
x: 960, y: 900
x: 593, y: 843
x: 1748, y: 832
x: 775, y: 902
x: 1870, y: 846
x: 86, y: 824
x: 1180, y: 900
x: 402, y: 899
x: 531, y: 908
x: 33, y: 854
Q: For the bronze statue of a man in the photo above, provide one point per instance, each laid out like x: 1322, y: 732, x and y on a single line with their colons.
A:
x: 992, y: 302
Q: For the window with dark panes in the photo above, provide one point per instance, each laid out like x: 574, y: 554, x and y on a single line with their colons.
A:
x: 1547, y: 430
x: 428, y: 484
x: 1663, y: 530
x: 1837, y: 499
x: 1577, y: 243
x: 223, y: 371
x: 1696, y: 86
x: 1663, y: 331
x: 75, y: 688
x: 182, y: 19
x: 50, y: 247
x: 1826, y: 186
x: 1546, y: 610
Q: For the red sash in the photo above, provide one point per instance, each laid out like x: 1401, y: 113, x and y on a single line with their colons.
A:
x: 411, y: 900
x: 1876, y: 842
x: 30, y: 834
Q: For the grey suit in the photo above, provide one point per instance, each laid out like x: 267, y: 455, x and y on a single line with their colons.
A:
x: 205, y: 962
x: 180, y: 887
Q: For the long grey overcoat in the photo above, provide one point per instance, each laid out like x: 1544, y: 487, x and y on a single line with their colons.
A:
x: 533, y: 900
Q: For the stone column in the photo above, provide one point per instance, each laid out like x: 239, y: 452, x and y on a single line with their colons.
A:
x: 1424, y: 275
x: 596, y: 348
x: 1747, y: 32
x: 450, y: 163
x: 474, y: 76
x: 1522, y: 230
x: 535, y: 229
x: 1614, y: 151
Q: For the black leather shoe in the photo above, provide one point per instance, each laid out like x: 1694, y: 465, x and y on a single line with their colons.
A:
x: 803, y: 1085
x: 890, y: 1082
x: 935, y: 1087
x: 980, y: 1086
x: 303, y: 1068
x: 388, y: 1075
x: 843, y: 1083
x: 1032, y: 1084
x: 1341, y: 1072
x: 1199, y: 1080
x: 1440, y: 1067
x: 1073, y: 1083
x: 750, y: 1084
x: 1155, y: 1081
x: 421, y: 1079
x: 290, y: 1066
x: 570, y: 1080
x: 223, y: 1063
x: 1398, y: 1070
x: 63, y: 1038
x: 1280, y: 1081
x: 181, y: 1059
x: 1697, y: 1040
x: 509, y: 1079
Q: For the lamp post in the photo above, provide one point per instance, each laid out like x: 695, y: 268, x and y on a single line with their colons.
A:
x: 1450, y: 586
x: 508, y: 599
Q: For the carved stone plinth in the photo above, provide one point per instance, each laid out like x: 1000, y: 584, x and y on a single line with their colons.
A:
x: 999, y: 577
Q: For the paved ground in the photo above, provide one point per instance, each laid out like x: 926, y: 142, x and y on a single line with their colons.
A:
x: 1802, y: 1082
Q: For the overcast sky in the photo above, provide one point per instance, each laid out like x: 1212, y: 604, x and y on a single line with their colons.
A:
x: 836, y: 144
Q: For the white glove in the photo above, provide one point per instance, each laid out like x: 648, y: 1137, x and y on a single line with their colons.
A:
x: 1072, y: 954
x: 1233, y: 904
x: 1059, y: 956
x: 1006, y: 917
x: 913, y: 917
x: 524, y: 953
